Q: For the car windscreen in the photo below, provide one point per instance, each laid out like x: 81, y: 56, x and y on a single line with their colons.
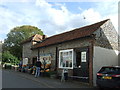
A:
x: 110, y: 70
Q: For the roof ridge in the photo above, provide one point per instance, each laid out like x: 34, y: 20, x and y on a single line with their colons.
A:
x: 80, y: 28
x: 71, y: 35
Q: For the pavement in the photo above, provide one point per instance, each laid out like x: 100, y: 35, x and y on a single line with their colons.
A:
x: 44, y: 82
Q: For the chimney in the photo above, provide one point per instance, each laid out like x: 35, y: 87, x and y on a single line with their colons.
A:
x: 44, y: 36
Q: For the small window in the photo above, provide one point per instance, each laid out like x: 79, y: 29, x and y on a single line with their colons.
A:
x: 83, y: 56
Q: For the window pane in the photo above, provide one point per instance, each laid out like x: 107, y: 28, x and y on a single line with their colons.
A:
x: 65, y: 58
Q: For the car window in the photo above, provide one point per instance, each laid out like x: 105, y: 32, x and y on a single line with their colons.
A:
x: 113, y: 70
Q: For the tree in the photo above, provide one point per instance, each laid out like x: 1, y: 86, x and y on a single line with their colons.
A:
x: 16, y: 36
x: 9, y: 58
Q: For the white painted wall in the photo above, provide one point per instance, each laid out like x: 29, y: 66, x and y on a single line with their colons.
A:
x: 119, y: 58
x: 103, y: 57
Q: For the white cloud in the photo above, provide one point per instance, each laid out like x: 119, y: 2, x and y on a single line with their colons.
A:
x: 62, y: 19
x: 91, y: 15
x: 53, y: 20
x: 4, y: 1
x: 109, y: 10
x: 58, y: 21
x: 6, y: 22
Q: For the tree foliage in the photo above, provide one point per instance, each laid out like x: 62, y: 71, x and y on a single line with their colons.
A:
x: 16, y: 36
x: 9, y: 58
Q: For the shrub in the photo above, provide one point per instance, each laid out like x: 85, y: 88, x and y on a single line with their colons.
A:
x: 9, y: 58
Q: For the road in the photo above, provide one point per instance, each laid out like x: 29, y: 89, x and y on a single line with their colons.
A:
x: 13, y: 79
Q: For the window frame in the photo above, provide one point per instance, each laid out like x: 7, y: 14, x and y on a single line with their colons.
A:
x: 67, y: 50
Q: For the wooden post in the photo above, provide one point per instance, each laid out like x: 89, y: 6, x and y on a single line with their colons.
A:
x: 91, y: 49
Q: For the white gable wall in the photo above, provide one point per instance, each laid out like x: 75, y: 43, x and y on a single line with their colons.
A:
x: 119, y: 58
x: 103, y: 57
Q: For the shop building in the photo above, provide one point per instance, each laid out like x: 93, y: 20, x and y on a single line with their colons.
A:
x: 82, y: 51
x: 27, y: 53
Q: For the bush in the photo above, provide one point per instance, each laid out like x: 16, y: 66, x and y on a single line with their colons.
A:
x: 9, y: 58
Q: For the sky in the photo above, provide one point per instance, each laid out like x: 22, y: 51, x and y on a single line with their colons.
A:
x: 55, y: 16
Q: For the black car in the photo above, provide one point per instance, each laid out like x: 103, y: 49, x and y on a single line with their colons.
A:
x: 108, y: 77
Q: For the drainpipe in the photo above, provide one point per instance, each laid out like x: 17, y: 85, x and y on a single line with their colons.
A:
x: 38, y: 54
x: 56, y: 57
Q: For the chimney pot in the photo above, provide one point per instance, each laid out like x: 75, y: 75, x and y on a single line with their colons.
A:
x: 44, y: 36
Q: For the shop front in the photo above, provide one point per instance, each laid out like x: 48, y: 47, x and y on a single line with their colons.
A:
x: 75, y: 60
x: 79, y: 51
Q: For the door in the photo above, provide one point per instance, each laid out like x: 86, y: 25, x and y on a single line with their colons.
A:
x: 81, y: 71
x: 34, y: 60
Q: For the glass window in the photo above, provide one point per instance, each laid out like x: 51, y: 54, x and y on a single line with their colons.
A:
x: 109, y: 70
x: 66, y: 58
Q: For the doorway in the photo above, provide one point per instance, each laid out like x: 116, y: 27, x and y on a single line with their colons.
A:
x: 81, y: 69
x: 34, y: 60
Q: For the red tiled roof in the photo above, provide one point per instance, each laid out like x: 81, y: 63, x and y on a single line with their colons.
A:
x: 70, y: 35
x: 36, y: 37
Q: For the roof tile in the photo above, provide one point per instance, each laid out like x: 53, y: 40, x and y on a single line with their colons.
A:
x: 70, y: 35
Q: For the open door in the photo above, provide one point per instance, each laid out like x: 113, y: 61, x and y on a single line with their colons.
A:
x: 81, y: 70
x: 34, y: 60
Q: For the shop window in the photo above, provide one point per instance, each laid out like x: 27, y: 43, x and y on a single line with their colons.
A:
x: 66, y: 59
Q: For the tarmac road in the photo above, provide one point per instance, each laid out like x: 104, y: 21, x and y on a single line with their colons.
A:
x: 14, y: 79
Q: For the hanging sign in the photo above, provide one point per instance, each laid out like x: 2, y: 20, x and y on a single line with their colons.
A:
x: 83, y: 56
